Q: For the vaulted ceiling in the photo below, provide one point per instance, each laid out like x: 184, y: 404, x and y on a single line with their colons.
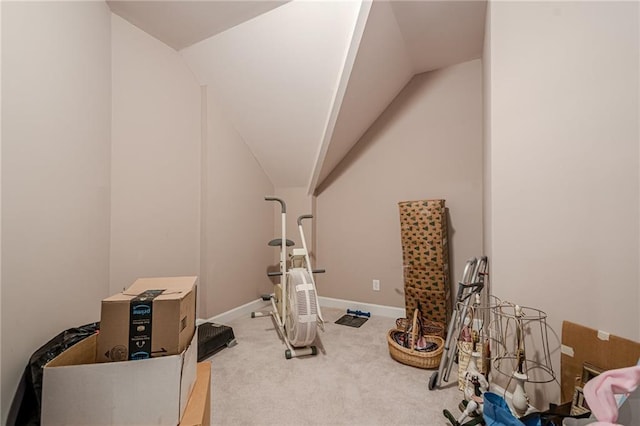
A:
x: 301, y: 81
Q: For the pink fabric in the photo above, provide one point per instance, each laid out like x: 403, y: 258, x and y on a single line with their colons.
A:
x: 603, y: 424
x: 601, y: 390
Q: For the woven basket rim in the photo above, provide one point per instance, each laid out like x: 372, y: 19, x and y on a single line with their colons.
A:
x: 433, y: 338
x: 437, y: 328
x: 428, y: 360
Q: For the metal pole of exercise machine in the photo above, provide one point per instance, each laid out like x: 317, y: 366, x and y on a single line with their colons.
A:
x: 283, y: 257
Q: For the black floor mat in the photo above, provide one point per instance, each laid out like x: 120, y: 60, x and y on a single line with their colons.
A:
x: 351, y: 320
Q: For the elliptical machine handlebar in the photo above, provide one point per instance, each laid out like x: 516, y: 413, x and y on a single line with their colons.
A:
x: 304, y: 216
x: 283, y: 205
x: 279, y: 274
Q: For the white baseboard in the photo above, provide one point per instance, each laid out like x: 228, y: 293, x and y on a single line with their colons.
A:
x: 239, y: 312
x: 325, y: 302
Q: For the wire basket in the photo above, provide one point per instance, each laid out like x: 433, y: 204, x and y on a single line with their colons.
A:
x: 522, y: 330
x: 410, y: 355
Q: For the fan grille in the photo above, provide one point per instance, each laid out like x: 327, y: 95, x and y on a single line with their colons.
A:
x: 302, y: 309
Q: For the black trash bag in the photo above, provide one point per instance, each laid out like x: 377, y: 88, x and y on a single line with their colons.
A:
x: 28, y: 413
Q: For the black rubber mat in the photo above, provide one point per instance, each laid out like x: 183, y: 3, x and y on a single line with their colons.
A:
x: 351, y: 320
x: 212, y: 338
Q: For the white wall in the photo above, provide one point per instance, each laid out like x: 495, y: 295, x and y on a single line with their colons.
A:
x: 156, y: 143
x: 563, y: 156
x: 238, y: 223
x: 1, y: 384
x: 427, y: 144
x: 486, y: 152
x: 55, y: 174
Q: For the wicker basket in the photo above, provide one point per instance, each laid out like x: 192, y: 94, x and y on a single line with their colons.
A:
x: 430, y: 328
x: 410, y: 356
x: 464, y: 357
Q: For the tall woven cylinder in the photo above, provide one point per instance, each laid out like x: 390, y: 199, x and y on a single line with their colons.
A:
x: 425, y: 255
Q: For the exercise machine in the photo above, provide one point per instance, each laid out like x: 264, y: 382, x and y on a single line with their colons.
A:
x: 295, y: 307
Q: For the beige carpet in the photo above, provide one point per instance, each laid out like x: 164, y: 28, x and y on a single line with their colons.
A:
x: 352, y: 381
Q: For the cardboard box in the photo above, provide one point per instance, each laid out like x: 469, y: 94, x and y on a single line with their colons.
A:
x: 434, y: 305
x: 198, y: 411
x: 432, y: 277
x: 582, y: 344
x: 423, y: 231
x: 78, y: 391
x: 425, y: 256
x: 154, y: 317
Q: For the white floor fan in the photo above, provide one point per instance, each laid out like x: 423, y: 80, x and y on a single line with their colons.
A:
x: 295, y: 307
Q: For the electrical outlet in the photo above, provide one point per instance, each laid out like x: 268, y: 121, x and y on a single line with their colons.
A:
x: 376, y: 285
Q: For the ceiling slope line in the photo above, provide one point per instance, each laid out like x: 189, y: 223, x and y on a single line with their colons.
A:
x: 381, y: 69
x: 275, y: 76
x: 341, y: 89
x: 224, y: 115
x: 180, y: 24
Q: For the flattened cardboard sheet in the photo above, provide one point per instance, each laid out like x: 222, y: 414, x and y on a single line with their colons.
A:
x: 198, y: 411
x: 581, y: 344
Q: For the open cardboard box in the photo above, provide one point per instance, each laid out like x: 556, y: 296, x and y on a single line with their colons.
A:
x: 79, y: 391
